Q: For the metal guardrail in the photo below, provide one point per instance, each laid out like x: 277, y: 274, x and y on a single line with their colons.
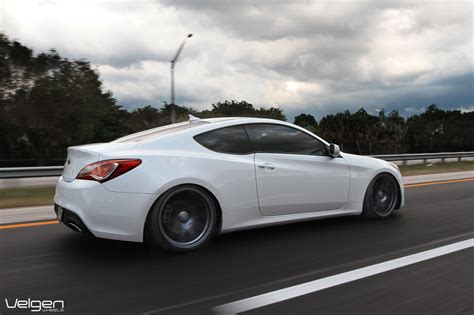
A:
x: 36, y: 171
x: 49, y: 171
x: 423, y: 156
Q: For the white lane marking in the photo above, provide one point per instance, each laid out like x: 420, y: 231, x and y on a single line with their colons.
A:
x: 328, y: 282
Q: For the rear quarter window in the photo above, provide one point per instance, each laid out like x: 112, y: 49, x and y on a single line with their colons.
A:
x: 230, y: 140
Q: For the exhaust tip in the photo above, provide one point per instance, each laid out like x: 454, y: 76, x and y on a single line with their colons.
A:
x: 75, y: 227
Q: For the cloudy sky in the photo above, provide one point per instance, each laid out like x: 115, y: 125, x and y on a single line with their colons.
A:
x: 302, y: 56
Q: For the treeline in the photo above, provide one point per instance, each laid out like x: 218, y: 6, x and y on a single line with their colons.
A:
x: 434, y: 130
x: 48, y: 103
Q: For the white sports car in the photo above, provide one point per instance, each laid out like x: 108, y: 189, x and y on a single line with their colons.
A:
x: 177, y: 185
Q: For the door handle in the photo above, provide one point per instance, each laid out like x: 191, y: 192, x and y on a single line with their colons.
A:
x: 267, y: 166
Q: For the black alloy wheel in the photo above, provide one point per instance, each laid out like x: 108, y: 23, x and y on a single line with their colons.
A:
x: 182, y: 219
x: 381, y: 197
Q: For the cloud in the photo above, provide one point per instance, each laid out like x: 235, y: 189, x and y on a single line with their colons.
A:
x: 313, y: 56
x: 467, y: 109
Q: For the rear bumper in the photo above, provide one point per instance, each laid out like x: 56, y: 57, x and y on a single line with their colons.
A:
x: 106, y: 214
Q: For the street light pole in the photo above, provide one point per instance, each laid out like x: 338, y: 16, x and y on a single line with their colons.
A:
x: 173, y: 63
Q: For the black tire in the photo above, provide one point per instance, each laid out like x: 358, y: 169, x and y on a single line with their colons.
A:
x: 381, y: 197
x: 182, y: 219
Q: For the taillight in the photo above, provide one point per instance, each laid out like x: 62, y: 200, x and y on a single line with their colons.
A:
x: 103, y: 171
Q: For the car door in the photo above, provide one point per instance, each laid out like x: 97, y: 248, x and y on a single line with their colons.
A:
x: 294, y: 173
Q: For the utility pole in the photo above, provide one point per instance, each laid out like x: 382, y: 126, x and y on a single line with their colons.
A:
x: 173, y: 63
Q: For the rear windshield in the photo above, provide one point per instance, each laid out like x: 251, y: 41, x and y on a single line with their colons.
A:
x: 158, y: 132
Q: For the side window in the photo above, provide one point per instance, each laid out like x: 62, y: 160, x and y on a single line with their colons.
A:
x: 232, y: 140
x: 272, y: 138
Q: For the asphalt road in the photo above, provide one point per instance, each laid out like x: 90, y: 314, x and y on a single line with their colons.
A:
x: 95, y: 276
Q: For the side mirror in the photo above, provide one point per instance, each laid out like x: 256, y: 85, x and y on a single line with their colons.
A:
x: 334, y: 150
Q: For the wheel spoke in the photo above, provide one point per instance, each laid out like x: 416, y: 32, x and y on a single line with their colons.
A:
x: 386, y: 184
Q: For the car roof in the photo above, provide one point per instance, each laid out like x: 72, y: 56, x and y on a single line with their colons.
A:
x: 196, y: 126
x: 241, y: 120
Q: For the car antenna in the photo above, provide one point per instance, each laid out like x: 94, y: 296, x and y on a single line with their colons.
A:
x: 193, y: 119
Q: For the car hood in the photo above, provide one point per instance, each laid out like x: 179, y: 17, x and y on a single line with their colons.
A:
x: 362, y: 160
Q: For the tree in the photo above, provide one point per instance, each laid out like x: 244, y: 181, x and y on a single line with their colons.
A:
x: 241, y: 109
x: 272, y: 113
x: 439, y: 130
x: 393, y: 131
x: 143, y: 118
x: 307, y: 121
x: 232, y: 109
x: 182, y: 113
x: 52, y: 103
x: 149, y: 117
x: 356, y: 132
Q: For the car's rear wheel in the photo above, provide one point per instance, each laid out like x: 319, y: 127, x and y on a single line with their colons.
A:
x: 182, y: 219
x: 381, y: 197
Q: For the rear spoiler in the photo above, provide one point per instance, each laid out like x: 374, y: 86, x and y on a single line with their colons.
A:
x: 193, y: 119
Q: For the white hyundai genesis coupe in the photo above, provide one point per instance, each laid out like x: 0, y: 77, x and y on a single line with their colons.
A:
x: 177, y: 185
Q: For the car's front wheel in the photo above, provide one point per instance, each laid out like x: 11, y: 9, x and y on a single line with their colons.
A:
x: 182, y: 219
x: 381, y: 197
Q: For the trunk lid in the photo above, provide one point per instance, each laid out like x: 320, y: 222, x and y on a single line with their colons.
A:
x: 80, y: 156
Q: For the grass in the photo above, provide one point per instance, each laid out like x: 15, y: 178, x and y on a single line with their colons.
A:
x: 26, y: 196
x: 436, y: 168
x: 39, y: 196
